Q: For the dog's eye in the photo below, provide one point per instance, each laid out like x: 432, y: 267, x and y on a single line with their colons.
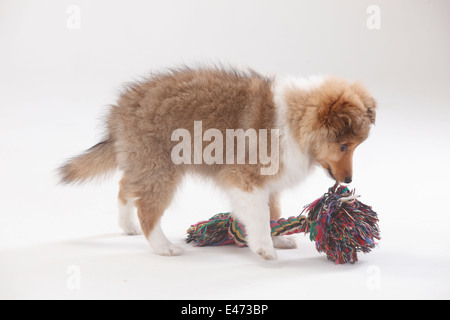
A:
x: 344, y: 148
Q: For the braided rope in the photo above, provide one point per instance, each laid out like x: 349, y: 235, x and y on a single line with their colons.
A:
x: 340, y: 225
x: 223, y: 229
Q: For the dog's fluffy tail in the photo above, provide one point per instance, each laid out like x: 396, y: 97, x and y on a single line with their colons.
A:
x: 97, y: 161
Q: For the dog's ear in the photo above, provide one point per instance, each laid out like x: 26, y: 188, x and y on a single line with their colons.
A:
x: 369, y: 102
x: 339, y: 116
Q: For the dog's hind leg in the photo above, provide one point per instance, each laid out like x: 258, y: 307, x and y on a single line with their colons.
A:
x: 154, y: 196
x: 128, y: 220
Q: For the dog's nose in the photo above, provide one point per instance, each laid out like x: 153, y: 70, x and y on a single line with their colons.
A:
x: 348, y: 179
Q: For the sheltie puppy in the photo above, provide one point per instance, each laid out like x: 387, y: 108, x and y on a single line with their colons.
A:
x: 253, y: 135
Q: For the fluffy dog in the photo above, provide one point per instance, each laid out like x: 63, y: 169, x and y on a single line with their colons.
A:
x: 158, y: 122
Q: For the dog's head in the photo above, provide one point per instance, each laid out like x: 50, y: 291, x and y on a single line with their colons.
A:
x: 337, y: 117
x: 346, y: 114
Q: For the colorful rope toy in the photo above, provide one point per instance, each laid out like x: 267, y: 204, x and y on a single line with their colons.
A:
x: 340, y: 225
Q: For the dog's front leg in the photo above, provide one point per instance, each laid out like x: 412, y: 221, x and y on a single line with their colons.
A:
x: 251, y: 208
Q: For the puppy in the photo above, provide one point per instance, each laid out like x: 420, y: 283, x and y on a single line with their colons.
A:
x: 253, y: 135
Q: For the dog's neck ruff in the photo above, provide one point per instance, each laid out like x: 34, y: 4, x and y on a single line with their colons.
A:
x: 295, y: 163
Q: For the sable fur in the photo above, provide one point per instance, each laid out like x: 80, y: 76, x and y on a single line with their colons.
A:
x: 319, y: 119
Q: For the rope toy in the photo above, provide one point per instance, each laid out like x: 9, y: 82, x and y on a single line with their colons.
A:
x: 340, y: 225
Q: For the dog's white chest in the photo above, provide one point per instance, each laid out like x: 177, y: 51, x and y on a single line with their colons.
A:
x: 295, y: 166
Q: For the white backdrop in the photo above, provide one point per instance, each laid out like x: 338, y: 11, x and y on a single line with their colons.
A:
x: 63, y: 62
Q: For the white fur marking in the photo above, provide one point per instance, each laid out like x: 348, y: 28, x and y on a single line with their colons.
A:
x: 284, y: 242
x: 160, y: 244
x: 296, y: 163
x: 128, y: 220
x: 252, y: 210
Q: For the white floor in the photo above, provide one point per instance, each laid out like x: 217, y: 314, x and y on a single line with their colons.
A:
x: 63, y: 241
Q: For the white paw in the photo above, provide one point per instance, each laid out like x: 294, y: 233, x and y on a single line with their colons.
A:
x: 128, y: 220
x: 267, y: 253
x: 161, y: 245
x: 130, y: 228
x: 284, y: 242
x: 168, y: 250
